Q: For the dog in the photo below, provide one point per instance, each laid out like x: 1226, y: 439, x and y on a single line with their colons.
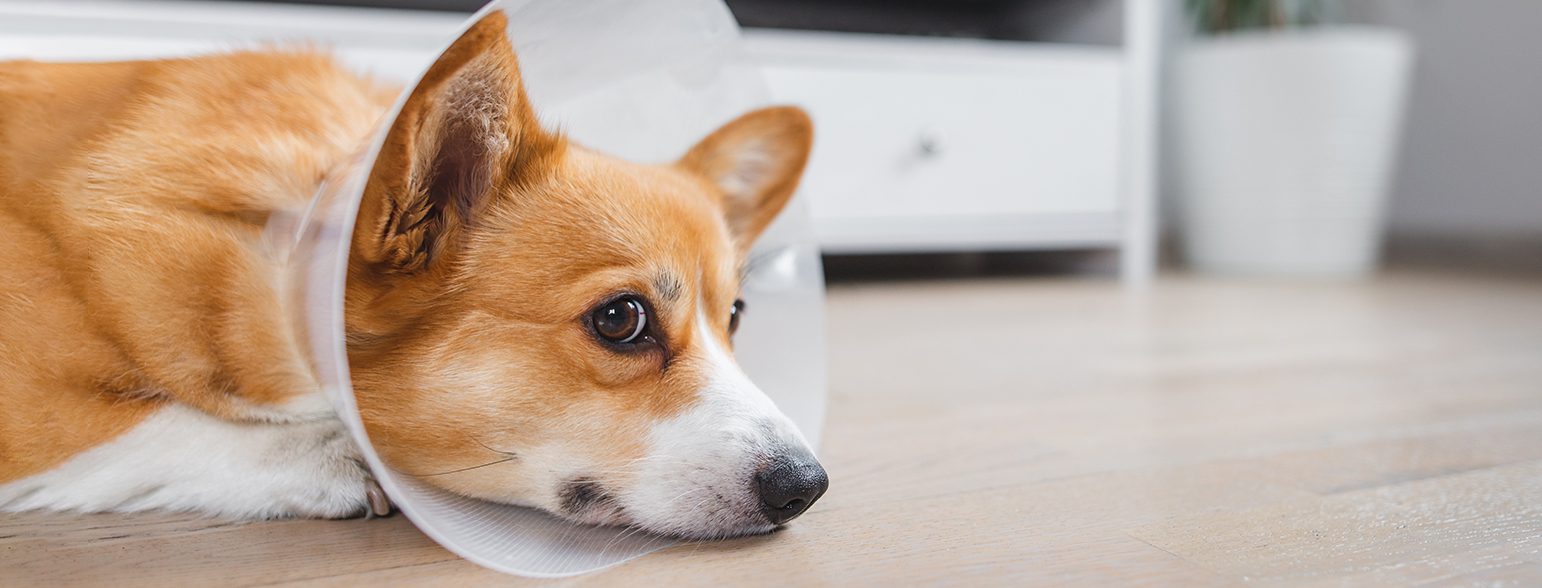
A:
x: 528, y: 321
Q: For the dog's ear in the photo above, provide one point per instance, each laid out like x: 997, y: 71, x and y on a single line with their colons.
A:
x: 464, y: 131
x: 755, y: 161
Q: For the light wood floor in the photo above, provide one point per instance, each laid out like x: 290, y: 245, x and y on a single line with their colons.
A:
x: 1059, y: 432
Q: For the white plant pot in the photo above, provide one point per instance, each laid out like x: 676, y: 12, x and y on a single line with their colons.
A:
x: 1284, y: 146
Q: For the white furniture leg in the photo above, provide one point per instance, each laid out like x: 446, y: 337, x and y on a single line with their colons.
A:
x: 1143, y: 33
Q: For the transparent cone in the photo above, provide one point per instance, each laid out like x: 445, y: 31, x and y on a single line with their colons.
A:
x: 640, y: 79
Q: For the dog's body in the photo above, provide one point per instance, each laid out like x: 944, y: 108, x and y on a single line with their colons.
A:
x: 506, y: 290
x: 142, y: 340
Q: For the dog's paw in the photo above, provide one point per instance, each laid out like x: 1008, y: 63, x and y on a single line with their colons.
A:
x: 329, y: 478
x: 182, y: 459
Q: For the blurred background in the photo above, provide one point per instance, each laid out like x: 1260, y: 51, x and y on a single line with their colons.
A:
x: 1238, y: 137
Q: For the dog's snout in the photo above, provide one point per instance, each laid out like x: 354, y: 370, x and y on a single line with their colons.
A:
x: 788, y: 485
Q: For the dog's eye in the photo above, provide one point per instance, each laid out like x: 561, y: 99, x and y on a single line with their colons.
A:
x: 622, y: 320
x: 733, y: 316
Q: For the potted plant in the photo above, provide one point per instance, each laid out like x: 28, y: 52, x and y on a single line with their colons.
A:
x: 1284, y: 136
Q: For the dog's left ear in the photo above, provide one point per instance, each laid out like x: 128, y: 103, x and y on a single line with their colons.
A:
x: 466, y: 128
x: 755, y: 161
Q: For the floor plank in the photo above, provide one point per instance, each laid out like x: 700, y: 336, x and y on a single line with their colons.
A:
x: 1029, y: 431
x: 1461, y: 524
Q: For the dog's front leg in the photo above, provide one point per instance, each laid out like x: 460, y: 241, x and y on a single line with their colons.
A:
x: 186, y: 460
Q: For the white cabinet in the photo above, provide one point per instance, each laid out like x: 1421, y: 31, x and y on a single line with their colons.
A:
x: 923, y: 144
x: 928, y: 144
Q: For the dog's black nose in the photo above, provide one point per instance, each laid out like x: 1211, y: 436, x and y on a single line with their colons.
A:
x: 789, y: 485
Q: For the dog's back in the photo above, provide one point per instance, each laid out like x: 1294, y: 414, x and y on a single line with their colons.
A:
x: 132, y: 198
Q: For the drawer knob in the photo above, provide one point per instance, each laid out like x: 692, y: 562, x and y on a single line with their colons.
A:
x: 929, y: 143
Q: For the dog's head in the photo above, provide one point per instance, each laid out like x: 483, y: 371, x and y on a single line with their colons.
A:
x: 535, y: 323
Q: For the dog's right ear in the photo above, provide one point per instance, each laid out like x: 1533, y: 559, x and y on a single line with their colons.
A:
x: 466, y: 129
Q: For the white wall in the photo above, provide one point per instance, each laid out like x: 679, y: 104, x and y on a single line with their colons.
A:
x: 1471, y: 162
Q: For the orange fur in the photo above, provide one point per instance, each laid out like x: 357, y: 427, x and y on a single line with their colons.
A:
x: 135, y: 194
x: 139, y: 191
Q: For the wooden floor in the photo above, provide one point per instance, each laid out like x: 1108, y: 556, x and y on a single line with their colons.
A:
x: 1032, y: 431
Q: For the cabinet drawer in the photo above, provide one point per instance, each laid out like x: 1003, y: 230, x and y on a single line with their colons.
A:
x: 925, y: 129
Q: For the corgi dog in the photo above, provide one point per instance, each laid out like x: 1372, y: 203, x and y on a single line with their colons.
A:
x: 528, y: 321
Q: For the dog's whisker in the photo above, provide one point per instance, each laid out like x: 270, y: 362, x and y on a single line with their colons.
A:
x: 629, y: 468
x: 510, y: 454
x: 629, y: 531
x: 465, y: 469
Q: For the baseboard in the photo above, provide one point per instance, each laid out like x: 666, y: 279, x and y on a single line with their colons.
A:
x: 1504, y: 252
